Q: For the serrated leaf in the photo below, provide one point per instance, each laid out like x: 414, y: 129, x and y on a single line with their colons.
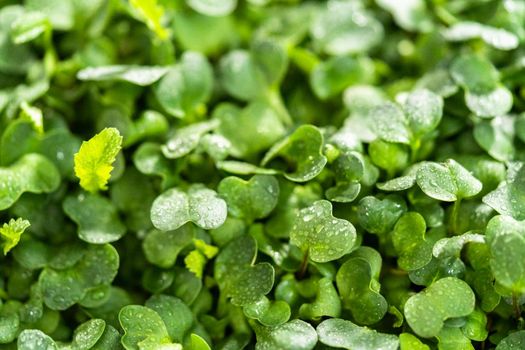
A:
x: 195, y: 261
x: 10, y: 233
x: 95, y: 158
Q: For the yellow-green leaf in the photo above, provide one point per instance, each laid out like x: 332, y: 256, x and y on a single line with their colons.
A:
x: 150, y: 12
x: 11, y: 232
x: 93, y: 162
x: 195, y: 262
x: 208, y: 250
x: 33, y: 114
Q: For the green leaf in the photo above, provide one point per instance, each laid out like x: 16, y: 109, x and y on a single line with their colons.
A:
x: 507, y: 198
x: 29, y: 26
x: 327, y: 302
x: 269, y: 313
x: 198, y: 204
x: 484, y: 95
x: 514, y: 340
x: 444, y: 299
x: 303, y: 151
x: 474, y: 73
x: 390, y: 124
x: 496, y: 37
x: 506, y: 239
x: 344, y: 334
x: 332, y: 76
x: 176, y: 315
x: 94, y: 160
x: 496, y: 137
x: 451, y: 246
x: 138, y: 75
x: 496, y: 102
x: 248, y: 75
x: 31, y: 339
x: 87, y: 334
x: 195, y: 261
x: 31, y: 173
x: 186, y: 139
x: 213, y: 8
x: 476, y: 326
x: 380, y: 215
x: 260, y: 124
x: 97, y: 218
x: 151, y: 13
x: 237, y: 274
x: 293, y: 335
x: 408, y: 341
x: 251, y: 200
x: 408, y: 237
x: 10, y: 233
x: 321, y: 235
x: 345, y: 28
x: 197, y: 343
x: 142, y: 325
x: 60, y: 13
x: 448, y: 181
x: 424, y: 110
x: 185, y: 88
x: 162, y: 248
x: 410, y: 15
x: 96, y: 266
x: 389, y: 156
x: 453, y: 339
x: 357, y: 281
x: 110, y: 339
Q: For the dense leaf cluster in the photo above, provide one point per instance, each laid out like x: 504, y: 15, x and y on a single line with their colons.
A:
x: 262, y: 174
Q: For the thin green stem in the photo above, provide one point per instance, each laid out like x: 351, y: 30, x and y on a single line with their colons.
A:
x: 414, y: 148
x: 454, y: 216
x: 276, y: 101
